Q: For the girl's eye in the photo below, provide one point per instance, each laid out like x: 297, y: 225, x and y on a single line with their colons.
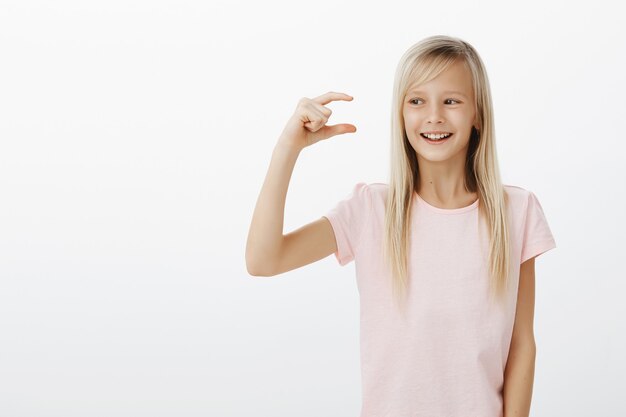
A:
x: 448, y: 99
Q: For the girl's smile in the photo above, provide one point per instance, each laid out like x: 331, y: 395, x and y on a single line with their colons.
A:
x: 436, y: 138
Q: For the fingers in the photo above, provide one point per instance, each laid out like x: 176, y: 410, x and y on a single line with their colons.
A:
x: 315, y: 115
x: 324, y: 112
x: 332, y: 96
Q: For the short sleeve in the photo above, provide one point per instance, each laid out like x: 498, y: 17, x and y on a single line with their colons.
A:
x: 347, y: 219
x: 537, y: 237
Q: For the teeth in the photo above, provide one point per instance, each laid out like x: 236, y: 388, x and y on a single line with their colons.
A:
x: 435, y: 137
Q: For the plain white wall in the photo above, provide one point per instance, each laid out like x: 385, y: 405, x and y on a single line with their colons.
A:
x: 135, y: 137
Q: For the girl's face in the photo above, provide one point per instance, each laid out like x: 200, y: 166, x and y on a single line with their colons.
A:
x: 444, y: 104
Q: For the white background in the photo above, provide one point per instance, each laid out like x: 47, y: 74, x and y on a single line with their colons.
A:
x: 135, y: 137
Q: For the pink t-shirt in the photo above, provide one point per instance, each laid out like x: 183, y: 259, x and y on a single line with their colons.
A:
x: 447, y: 356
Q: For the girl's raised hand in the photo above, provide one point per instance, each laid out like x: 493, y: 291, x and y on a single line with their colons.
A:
x: 307, y: 125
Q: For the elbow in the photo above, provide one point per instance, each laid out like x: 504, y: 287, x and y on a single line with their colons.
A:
x: 257, y: 269
x: 259, y: 273
x: 259, y: 263
x: 252, y: 268
x: 251, y: 264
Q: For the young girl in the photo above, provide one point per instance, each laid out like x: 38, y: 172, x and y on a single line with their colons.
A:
x: 444, y: 253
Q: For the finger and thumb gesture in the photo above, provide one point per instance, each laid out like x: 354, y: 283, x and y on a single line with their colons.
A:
x: 308, y: 123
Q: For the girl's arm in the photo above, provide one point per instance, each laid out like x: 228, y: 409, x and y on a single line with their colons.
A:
x: 268, y: 251
x: 520, y: 368
x: 265, y: 236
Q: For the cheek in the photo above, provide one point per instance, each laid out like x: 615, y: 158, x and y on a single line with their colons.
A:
x: 465, y: 118
x: 410, y: 119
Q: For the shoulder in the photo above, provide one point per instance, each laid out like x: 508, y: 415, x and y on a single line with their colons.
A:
x: 370, y: 189
x: 534, y: 234
x: 516, y: 191
x: 518, y: 197
x: 522, y: 203
x: 378, y: 187
x: 359, y: 195
x: 378, y: 191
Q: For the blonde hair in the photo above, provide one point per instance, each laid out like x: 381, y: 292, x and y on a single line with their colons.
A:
x: 421, y: 63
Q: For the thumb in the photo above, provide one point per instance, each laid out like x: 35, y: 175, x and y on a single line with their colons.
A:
x: 333, y: 130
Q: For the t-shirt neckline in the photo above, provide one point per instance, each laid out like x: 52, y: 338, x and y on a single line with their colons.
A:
x: 440, y: 210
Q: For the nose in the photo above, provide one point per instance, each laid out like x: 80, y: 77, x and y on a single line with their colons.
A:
x: 435, y: 114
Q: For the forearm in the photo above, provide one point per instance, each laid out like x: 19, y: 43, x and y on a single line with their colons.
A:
x: 519, y: 376
x: 266, y: 229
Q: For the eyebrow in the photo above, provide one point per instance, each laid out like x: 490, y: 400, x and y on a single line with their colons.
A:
x: 445, y: 92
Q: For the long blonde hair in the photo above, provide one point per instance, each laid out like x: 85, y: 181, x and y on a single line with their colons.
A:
x: 421, y: 63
